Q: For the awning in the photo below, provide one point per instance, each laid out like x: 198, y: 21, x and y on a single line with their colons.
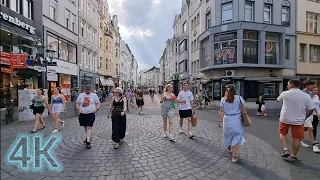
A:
x: 103, y: 81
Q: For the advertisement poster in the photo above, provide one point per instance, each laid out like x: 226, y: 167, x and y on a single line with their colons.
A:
x: 24, y: 101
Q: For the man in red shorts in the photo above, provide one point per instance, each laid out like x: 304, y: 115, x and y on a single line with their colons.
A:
x: 293, y: 114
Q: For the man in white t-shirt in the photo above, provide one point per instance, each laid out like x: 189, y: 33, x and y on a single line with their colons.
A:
x: 186, y: 108
x: 293, y: 114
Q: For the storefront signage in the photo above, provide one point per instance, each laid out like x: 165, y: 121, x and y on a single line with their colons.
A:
x: 13, y: 60
x: 16, y: 21
x: 6, y: 70
x: 52, y: 77
x: 225, y: 37
x: 64, y: 67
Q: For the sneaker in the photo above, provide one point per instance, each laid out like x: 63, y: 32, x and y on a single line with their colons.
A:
x: 88, y: 145
x: 316, y: 142
x: 258, y: 114
x: 62, y: 123
x: 191, y: 136
x: 303, y: 144
x: 171, y: 137
x: 116, y: 145
x: 315, y: 149
x: 180, y: 131
x: 165, y: 135
x: 55, y: 130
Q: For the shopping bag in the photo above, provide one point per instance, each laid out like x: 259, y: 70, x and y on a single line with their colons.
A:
x: 194, y: 120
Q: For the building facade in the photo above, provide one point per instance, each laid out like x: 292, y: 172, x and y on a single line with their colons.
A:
x: 308, y: 40
x: 115, y: 46
x: 134, y: 72
x: 249, y: 46
x: 142, y: 79
x: 21, y: 29
x: 105, y: 52
x: 126, y: 60
x: 152, y: 77
x: 88, y: 18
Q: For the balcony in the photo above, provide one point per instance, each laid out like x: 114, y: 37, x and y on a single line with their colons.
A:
x: 107, y: 32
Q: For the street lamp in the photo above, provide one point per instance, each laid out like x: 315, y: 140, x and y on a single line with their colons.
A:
x: 50, y: 54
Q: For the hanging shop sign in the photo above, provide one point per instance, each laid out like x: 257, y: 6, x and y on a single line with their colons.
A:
x: 13, y: 60
x: 16, y: 21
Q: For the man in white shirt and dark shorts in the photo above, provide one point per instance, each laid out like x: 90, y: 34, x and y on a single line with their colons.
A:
x: 186, y: 108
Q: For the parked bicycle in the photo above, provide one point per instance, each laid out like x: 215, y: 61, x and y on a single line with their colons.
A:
x: 9, y: 112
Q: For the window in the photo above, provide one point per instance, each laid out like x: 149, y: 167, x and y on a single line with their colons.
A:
x: 94, y: 61
x: 89, y: 9
x: 287, y: 49
x: 225, y: 48
x: 248, y: 13
x: 4, y: 2
x: 83, y: 57
x: 72, y: 51
x: 206, y: 52
x: 184, y: 27
x: 208, y: 20
x: 53, y: 42
x: 302, y: 52
x: 314, y: 53
x: 192, y: 25
x: 53, y: 12
x: 83, y: 30
x: 272, y: 49
x: 89, y: 33
x: 15, y: 5
x: 63, y: 49
x: 227, y: 12
x: 83, y: 5
x: 198, y: 18
x: 250, y: 47
x: 312, y: 22
x: 94, y: 15
x: 285, y: 16
x: 93, y: 36
x: 107, y: 45
x: 27, y: 9
x: 100, y: 64
x: 100, y: 43
x: 185, y: 65
x: 73, y: 23
x: 192, y: 46
x: 67, y: 17
x: 267, y: 14
x: 89, y: 59
x: 107, y: 64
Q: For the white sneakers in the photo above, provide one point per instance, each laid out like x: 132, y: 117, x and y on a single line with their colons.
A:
x: 315, y: 147
x: 55, y: 130
x: 171, y: 136
x: 303, y: 144
x: 180, y: 131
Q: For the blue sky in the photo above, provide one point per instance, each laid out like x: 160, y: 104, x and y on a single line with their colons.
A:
x: 145, y: 25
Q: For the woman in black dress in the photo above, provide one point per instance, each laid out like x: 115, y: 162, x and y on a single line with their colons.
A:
x: 118, y: 117
x: 140, y: 101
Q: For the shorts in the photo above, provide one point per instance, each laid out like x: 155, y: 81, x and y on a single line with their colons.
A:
x: 308, y: 122
x: 185, y: 113
x: 87, y: 119
x: 297, y: 131
x: 38, y: 110
x: 57, y: 108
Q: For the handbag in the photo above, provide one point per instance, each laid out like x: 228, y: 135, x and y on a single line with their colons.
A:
x: 31, y: 106
x: 194, y: 120
x: 246, y: 121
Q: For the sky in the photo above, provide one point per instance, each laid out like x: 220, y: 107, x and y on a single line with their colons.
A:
x: 145, y: 25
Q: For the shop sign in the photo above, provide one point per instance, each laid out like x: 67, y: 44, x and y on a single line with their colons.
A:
x: 14, y: 60
x: 225, y: 37
x: 6, y: 70
x: 52, y: 77
x: 65, y: 67
x: 16, y: 21
x: 39, y: 68
x: 51, y: 70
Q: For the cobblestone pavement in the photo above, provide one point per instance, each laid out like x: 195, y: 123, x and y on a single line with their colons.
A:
x: 146, y: 155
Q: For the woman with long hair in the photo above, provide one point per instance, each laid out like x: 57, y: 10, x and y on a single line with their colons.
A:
x: 167, y: 105
x: 140, y: 101
x: 230, y: 114
x: 58, y: 105
x: 39, y: 101
x: 118, y: 117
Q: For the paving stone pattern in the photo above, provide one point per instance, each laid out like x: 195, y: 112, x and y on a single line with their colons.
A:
x: 146, y: 155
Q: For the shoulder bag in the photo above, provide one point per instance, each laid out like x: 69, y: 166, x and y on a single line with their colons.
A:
x: 246, y: 121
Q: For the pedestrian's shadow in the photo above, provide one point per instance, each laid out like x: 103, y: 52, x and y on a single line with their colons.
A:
x: 259, y: 172
x: 301, y: 165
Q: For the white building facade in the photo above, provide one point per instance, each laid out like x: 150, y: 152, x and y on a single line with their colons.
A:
x: 88, y: 41
x: 126, y: 59
x: 60, y: 21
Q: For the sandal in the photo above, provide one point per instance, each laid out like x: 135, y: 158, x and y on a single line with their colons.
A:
x: 234, y: 159
x: 285, y: 154
x: 229, y: 149
x: 294, y: 159
x: 32, y: 132
x: 43, y: 127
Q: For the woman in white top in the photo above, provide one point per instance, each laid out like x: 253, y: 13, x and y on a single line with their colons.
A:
x: 312, y: 121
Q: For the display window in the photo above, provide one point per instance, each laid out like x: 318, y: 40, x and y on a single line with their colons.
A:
x: 65, y: 84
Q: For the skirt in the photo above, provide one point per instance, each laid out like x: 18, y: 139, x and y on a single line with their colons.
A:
x: 139, y: 102
x: 57, y: 108
x: 38, y: 110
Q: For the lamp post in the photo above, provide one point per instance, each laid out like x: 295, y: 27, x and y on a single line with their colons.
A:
x: 50, y: 54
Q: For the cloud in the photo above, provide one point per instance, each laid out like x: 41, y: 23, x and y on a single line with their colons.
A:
x: 145, y: 25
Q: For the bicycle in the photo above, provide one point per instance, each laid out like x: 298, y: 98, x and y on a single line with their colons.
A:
x: 9, y: 112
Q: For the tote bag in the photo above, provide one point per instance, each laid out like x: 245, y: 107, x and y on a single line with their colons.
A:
x: 246, y: 121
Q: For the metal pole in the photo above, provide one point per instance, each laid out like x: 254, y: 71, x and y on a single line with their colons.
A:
x: 11, y: 86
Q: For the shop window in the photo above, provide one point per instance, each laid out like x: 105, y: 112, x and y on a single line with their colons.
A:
x: 272, y: 49
x: 225, y: 48
x: 227, y: 14
x: 15, y: 43
x: 53, y: 43
x: 72, y: 51
x: 27, y: 46
x: 63, y: 49
x: 314, y: 53
x: 250, y: 47
x: 5, y: 43
x: 27, y: 8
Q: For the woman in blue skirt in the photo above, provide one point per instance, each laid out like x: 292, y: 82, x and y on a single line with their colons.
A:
x: 230, y: 115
